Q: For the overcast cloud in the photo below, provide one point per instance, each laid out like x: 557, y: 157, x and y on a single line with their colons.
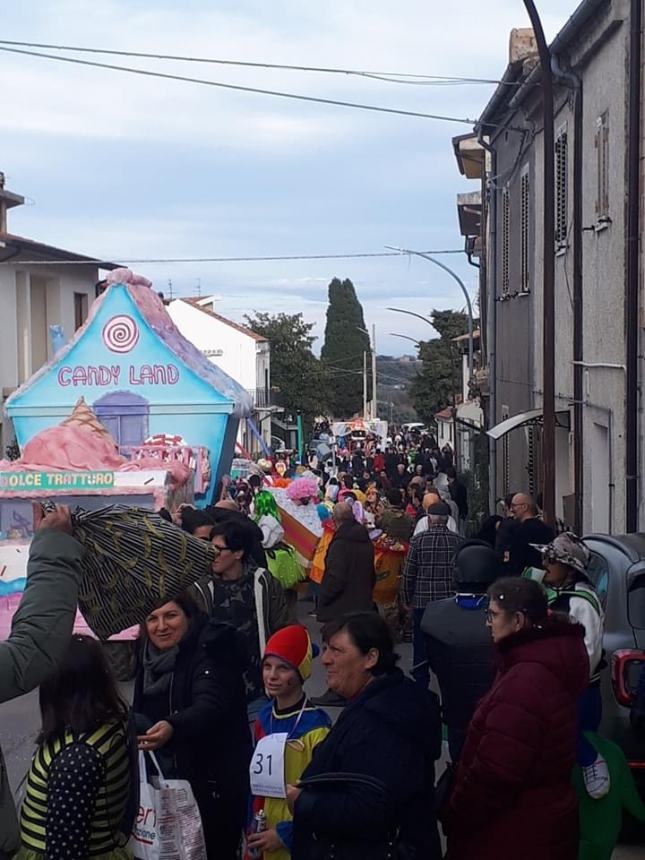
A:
x: 121, y: 166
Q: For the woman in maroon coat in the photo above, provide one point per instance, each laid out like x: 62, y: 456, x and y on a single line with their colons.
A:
x: 512, y: 794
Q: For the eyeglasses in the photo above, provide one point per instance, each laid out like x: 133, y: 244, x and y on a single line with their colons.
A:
x: 221, y: 548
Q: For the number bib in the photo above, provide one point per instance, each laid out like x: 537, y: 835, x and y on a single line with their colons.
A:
x: 267, y: 766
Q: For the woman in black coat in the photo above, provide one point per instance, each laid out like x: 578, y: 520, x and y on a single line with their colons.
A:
x: 189, y: 695
x: 389, y: 736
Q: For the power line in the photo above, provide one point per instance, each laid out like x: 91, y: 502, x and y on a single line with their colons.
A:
x: 184, y: 79
x: 393, y: 77
x: 276, y: 258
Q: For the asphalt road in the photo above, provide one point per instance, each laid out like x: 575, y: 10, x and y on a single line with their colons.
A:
x: 20, y: 719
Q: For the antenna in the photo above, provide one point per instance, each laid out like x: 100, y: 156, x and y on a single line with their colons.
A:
x: 199, y: 287
x: 170, y: 288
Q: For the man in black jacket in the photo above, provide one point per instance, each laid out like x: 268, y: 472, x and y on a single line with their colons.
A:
x: 349, y: 577
x: 530, y: 530
x: 458, y: 643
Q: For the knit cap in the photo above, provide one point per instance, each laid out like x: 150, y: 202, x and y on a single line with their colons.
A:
x: 293, y: 645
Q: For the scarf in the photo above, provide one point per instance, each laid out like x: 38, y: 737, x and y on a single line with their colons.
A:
x: 158, y: 667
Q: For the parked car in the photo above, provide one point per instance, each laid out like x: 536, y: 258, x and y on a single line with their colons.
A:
x: 617, y: 569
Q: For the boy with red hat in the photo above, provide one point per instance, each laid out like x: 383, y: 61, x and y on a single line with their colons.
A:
x: 286, y: 732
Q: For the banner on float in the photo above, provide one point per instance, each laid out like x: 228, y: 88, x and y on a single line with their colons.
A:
x: 39, y: 481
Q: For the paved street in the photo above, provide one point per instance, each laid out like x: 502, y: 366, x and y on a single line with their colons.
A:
x: 20, y: 721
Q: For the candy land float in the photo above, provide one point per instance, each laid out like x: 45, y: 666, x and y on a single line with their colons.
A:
x: 128, y: 412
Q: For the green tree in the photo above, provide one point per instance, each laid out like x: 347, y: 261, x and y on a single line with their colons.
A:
x: 439, y: 380
x: 346, y: 340
x: 297, y: 376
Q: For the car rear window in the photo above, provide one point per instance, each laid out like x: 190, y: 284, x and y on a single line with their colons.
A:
x: 598, y: 573
x: 636, y: 602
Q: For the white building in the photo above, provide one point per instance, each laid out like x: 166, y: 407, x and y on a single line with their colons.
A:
x: 41, y: 287
x: 240, y: 352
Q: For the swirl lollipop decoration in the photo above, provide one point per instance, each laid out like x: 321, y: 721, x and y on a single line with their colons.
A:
x: 121, y: 333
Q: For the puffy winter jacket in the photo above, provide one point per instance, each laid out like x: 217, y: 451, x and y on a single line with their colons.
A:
x: 461, y: 654
x: 512, y: 794
x: 392, y: 734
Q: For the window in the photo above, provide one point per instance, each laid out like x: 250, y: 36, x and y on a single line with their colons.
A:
x: 636, y: 603
x: 525, y: 281
x: 602, y: 167
x: 80, y: 309
x: 506, y: 236
x: 598, y: 573
x: 561, y: 188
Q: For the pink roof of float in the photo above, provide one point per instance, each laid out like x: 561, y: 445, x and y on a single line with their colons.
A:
x: 152, y: 308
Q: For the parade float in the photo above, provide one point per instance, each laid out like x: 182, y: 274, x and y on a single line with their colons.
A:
x: 127, y: 412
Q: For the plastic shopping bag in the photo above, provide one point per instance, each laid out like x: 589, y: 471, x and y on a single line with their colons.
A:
x: 168, y: 826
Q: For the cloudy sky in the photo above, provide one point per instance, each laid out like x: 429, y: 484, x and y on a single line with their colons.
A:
x: 126, y: 167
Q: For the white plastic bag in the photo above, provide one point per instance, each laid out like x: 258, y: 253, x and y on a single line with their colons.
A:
x: 168, y: 826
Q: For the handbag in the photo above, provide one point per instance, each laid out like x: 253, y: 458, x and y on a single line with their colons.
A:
x: 169, y: 825
x: 392, y: 848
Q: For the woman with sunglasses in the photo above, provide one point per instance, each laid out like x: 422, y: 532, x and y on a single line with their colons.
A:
x: 512, y: 794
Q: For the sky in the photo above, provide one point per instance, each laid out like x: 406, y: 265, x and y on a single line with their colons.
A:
x: 124, y: 167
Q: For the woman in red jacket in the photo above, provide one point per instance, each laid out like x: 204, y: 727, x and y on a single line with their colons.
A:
x: 512, y: 794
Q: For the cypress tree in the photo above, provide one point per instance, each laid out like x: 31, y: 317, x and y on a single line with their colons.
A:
x: 342, y: 352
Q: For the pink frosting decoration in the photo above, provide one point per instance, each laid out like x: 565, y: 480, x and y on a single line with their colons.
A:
x: 127, y: 276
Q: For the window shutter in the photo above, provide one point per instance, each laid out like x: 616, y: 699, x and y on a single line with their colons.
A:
x: 525, y: 282
x: 506, y: 231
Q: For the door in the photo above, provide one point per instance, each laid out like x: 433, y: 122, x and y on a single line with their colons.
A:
x: 125, y: 415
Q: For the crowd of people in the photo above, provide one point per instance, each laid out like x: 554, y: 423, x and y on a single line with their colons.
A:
x: 506, y: 625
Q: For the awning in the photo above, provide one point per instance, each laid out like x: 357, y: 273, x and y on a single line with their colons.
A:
x: 533, y: 416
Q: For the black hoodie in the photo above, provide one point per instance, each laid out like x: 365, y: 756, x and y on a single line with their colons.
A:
x: 391, y: 733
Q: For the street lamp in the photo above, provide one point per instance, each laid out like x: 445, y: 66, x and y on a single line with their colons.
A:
x: 404, y: 336
x: 373, y: 414
x: 456, y: 277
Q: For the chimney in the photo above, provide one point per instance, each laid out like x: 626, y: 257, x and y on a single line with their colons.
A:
x: 521, y: 44
x: 7, y: 201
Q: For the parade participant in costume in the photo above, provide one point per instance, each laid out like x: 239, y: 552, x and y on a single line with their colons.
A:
x: 281, y: 558
x: 570, y: 591
x: 285, y: 668
x: 317, y: 570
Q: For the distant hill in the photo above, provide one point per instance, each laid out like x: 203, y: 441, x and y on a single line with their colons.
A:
x: 394, y: 375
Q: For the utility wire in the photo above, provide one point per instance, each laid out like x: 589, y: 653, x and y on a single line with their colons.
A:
x: 184, y: 79
x: 101, y: 261
x: 393, y: 77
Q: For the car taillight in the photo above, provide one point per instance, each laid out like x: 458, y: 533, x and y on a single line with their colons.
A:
x: 625, y: 667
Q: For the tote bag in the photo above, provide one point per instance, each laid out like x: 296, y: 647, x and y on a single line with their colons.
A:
x: 168, y: 826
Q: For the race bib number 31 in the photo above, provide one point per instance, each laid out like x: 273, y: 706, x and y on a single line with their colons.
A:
x: 267, y: 766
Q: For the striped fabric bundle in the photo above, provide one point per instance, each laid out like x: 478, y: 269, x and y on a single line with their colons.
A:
x: 134, y: 561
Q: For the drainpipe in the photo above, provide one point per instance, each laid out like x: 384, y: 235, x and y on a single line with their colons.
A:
x: 573, y: 80
x: 548, y: 270
x: 491, y: 321
x: 631, y: 292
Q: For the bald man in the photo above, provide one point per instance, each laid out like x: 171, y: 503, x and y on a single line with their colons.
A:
x: 529, y: 529
x: 430, y: 498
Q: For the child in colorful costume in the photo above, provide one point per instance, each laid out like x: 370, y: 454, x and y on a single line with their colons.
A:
x: 286, y: 666
x: 281, y: 559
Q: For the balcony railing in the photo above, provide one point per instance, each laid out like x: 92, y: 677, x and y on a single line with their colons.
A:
x: 261, y: 397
